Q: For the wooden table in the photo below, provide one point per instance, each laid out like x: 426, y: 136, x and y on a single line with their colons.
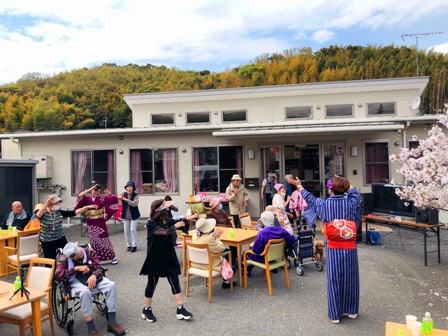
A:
x: 392, y: 330
x: 427, y: 230
x: 242, y: 237
x: 6, y: 239
x: 6, y: 291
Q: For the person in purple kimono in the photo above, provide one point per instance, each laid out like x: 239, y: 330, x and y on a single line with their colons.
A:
x: 96, y: 220
x: 269, y: 232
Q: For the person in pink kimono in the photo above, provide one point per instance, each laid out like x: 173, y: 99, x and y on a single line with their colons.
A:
x: 96, y: 220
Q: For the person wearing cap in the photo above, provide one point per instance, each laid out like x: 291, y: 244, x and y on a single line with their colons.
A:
x: 206, y: 233
x: 130, y: 215
x: 50, y: 215
x: 339, y: 214
x: 161, y: 259
x: 18, y: 217
x: 106, y: 206
x: 80, y: 267
x: 238, y: 198
x: 269, y: 232
x: 260, y: 223
x: 279, y: 202
x: 34, y: 222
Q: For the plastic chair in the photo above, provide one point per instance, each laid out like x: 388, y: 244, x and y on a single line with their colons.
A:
x: 274, y: 257
x: 39, y: 277
x: 27, y: 248
x: 246, y: 221
x: 200, y: 254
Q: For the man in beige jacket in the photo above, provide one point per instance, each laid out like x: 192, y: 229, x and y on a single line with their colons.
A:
x: 238, y: 198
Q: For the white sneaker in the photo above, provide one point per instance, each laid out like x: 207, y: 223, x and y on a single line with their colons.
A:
x: 334, y: 321
x: 352, y: 316
x: 114, y: 261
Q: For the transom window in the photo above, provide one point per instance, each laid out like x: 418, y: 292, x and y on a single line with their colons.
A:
x: 380, y: 108
x: 377, y: 162
x: 154, y: 171
x: 198, y: 118
x: 231, y: 116
x: 213, y: 167
x: 93, y: 165
x: 162, y: 119
x: 299, y: 112
x: 342, y: 110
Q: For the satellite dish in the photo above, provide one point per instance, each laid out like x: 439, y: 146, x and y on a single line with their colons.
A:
x: 416, y: 103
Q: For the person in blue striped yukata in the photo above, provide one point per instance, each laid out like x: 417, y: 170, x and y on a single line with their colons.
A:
x: 338, y: 213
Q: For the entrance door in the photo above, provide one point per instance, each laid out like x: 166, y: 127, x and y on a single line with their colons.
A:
x: 303, y: 161
x: 333, y: 163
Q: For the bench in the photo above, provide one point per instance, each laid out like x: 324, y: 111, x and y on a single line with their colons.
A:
x: 427, y: 230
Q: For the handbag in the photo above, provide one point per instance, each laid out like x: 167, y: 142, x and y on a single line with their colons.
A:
x: 226, y: 270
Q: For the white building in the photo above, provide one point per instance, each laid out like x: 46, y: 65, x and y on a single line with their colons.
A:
x: 196, y: 140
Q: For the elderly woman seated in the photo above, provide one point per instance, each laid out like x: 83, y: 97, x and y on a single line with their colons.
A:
x: 274, y: 210
x: 207, y: 234
x: 269, y: 232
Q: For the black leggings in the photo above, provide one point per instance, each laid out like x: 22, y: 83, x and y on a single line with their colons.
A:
x: 152, y: 284
x: 49, y: 248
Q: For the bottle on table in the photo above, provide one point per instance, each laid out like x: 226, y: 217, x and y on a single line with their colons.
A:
x: 191, y: 198
x: 17, y: 283
x: 427, y: 323
x: 10, y: 228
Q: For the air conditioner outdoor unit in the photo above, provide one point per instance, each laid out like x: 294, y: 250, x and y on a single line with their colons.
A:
x: 44, y: 169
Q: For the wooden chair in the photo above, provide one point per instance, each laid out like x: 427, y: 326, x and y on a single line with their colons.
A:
x: 200, y: 254
x: 27, y: 248
x: 198, y: 207
x: 246, y: 221
x: 274, y: 257
x: 40, y: 276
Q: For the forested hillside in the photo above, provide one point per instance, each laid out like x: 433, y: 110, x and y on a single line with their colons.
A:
x: 82, y: 99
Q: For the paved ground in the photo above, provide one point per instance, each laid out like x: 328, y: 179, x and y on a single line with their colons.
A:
x: 394, y: 282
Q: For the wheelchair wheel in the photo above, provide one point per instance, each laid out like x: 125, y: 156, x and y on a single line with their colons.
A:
x: 299, y: 270
x: 319, y: 266
x: 60, y: 305
x: 100, y: 302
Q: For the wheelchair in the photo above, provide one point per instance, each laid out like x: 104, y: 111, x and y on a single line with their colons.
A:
x: 65, y: 305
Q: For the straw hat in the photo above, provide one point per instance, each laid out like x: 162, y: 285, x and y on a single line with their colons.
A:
x: 236, y: 177
x: 38, y: 207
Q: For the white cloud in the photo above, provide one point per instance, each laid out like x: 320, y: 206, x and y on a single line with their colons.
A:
x: 56, y: 35
x: 441, y: 48
x: 322, y: 36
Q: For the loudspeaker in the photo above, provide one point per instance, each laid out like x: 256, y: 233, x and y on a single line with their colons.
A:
x: 427, y: 216
x: 366, y: 203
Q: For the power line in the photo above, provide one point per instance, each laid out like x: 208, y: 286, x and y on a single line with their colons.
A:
x: 417, y: 36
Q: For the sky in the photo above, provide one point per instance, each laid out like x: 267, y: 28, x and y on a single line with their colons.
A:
x: 53, y: 36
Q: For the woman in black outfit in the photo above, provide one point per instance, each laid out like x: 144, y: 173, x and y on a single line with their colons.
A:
x: 161, y: 259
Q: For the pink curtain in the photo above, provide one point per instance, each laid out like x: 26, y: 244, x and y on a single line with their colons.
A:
x: 197, y: 182
x: 111, y: 171
x: 170, y: 169
x: 80, y: 171
x: 136, y: 170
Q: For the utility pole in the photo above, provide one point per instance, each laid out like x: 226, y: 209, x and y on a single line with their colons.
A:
x: 417, y: 36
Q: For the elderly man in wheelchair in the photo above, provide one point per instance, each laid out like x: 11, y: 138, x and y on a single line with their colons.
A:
x: 79, y: 266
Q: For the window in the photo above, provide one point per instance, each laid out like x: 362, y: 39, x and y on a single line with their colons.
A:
x: 380, y: 108
x: 154, y: 170
x: 299, y: 112
x: 343, y: 110
x: 213, y: 167
x: 198, y: 118
x: 377, y: 162
x: 230, y: 116
x: 162, y: 119
x: 88, y: 166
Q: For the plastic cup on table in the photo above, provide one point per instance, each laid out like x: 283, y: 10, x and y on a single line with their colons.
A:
x: 232, y: 234
x: 416, y: 328
x: 409, y: 320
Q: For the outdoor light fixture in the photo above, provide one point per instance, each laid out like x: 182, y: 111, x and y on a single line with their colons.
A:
x: 354, y: 151
x: 121, y: 151
x: 184, y: 150
x: 251, y: 154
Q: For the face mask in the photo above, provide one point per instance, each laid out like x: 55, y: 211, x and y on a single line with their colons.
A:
x: 283, y: 194
x: 55, y: 207
x: 220, y: 207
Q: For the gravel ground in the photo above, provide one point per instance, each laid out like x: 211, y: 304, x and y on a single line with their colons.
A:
x: 394, y: 283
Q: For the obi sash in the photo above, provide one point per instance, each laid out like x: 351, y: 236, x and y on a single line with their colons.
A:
x: 340, y: 234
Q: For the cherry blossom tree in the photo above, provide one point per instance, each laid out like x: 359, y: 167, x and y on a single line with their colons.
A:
x: 425, y: 168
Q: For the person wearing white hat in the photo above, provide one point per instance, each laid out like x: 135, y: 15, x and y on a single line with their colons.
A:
x: 206, y: 233
x: 52, y: 236
x: 261, y: 225
x: 80, y: 267
x: 238, y: 199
